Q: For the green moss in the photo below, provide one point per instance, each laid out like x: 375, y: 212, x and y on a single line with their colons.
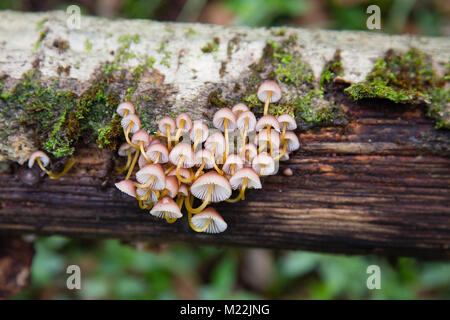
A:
x: 407, y: 78
x: 40, y: 23
x: 162, y: 49
x: 211, y: 46
x: 191, y: 32
x: 332, y: 69
x: 88, y: 46
x: 215, y: 100
x: 41, y: 38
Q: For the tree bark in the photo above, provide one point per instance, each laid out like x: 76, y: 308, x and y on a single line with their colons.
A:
x: 379, y: 184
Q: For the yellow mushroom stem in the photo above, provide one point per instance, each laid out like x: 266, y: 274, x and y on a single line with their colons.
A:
x: 266, y: 105
x: 261, y: 171
x: 69, y: 164
x: 200, y: 169
x: 133, y: 163
x: 233, y: 165
x: 141, y: 147
x: 127, y: 133
x: 180, y: 200
x: 241, y: 195
x: 262, y: 147
x: 277, y: 158
x: 163, y: 194
x: 179, y: 177
x: 169, y: 138
x: 198, y: 136
x: 268, y: 139
x: 170, y: 169
x: 125, y: 113
x: 127, y: 165
x: 213, y: 159
x: 168, y: 219
x: 203, y: 205
x: 145, y: 185
x: 145, y: 206
x: 227, y: 142
x: 283, y: 132
x: 244, y: 136
x: 179, y: 131
x: 146, y: 195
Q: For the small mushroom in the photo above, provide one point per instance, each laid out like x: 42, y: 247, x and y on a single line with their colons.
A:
x: 269, y: 122
x: 171, y: 188
x: 125, y: 150
x: 249, y: 153
x: 130, y: 124
x: 246, y: 122
x: 268, y: 91
x: 263, y: 164
x: 184, y: 173
x: 290, y: 144
x: 166, y: 208
x: 287, y: 123
x: 216, y: 144
x: 239, y: 108
x: 151, y: 176
x: 183, y: 193
x: 167, y: 125
x: 199, y: 133
x: 182, y: 156
x: 141, y: 139
x: 125, y: 108
x: 43, y: 160
x: 210, y: 187
x: 264, y: 138
x: 146, y: 197
x: 244, y: 178
x: 127, y: 187
x: 158, y: 153
x: 184, y: 125
x: 233, y: 164
x: 225, y: 121
x: 202, y: 159
x: 209, y: 221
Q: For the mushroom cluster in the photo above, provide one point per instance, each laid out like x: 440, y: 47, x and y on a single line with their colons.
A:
x: 187, y: 160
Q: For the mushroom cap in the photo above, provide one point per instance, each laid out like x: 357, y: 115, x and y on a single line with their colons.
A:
x: 142, y: 162
x: 262, y: 137
x: 216, y: 224
x: 166, y: 206
x: 154, y: 149
x: 155, y: 141
x: 124, y: 147
x: 144, y: 174
x: 267, y: 120
x: 143, y: 191
x: 182, y: 149
x: 216, y: 139
x: 252, y: 152
x: 164, y: 122
x: 289, y: 120
x: 263, y: 159
x: 185, y: 173
x: 251, y: 122
x: 232, y: 159
x: 187, y: 122
x: 199, y: 125
x: 126, y: 105
x: 183, y: 190
x: 141, y: 135
x: 292, y: 141
x: 221, y: 115
x: 127, y: 186
x: 221, y: 187
x: 239, y: 108
x: 41, y: 155
x: 125, y: 122
x: 267, y: 86
x: 203, y: 154
x: 172, y: 186
x: 285, y: 157
x: 238, y: 178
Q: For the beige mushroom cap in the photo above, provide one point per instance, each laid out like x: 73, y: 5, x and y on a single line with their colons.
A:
x: 219, y: 119
x: 154, y: 149
x: 127, y: 186
x: 187, y: 122
x: 267, y: 120
x: 123, y: 106
x: 164, y: 122
x: 182, y: 149
x: 239, y: 108
x: 166, y: 206
x: 288, y: 120
x: 232, y: 159
x: 218, y: 140
x: 199, y: 126
x: 203, y: 155
x: 251, y: 121
x: 172, y: 186
x: 238, y: 178
x: 264, y: 159
x: 126, y: 121
x: 123, y: 149
x: 221, y: 187
x: 141, y: 135
x: 292, y: 141
x: 144, y: 174
x: 38, y: 154
x: 267, y: 86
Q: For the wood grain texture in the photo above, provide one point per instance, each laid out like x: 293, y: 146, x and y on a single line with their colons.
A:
x: 379, y: 185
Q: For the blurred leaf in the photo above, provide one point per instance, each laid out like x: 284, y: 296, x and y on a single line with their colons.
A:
x: 298, y: 263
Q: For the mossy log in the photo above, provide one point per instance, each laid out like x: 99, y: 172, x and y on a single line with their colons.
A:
x: 372, y: 175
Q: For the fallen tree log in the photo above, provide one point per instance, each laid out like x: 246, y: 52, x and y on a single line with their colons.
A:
x: 372, y: 176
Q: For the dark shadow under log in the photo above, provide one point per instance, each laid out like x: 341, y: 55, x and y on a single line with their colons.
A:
x: 380, y: 185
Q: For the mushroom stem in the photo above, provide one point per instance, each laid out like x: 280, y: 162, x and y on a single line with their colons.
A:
x: 270, y: 140
x: 133, y: 163
x: 141, y: 147
x: 180, y: 129
x: 180, y: 200
x: 127, y: 165
x: 179, y: 177
x: 145, y: 197
x: 232, y: 168
x: 144, y: 206
x: 203, y: 205
x: 266, y: 105
x: 169, y: 170
x: 241, y: 195
x: 157, y: 157
x: 169, y: 138
x: 282, y: 153
x: 127, y: 133
x: 145, y: 185
x: 262, y: 147
x: 261, y: 171
x: 200, y: 169
x: 283, y: 132
x: 213, y: 159
x: 168, y: 219
x: 198, y: 137
x: 227, y: 142
x: 69, y: 164
x: 244, y: 137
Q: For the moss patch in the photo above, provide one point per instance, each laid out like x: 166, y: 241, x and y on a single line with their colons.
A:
x: 211, y: 46
x: 406, y: 78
